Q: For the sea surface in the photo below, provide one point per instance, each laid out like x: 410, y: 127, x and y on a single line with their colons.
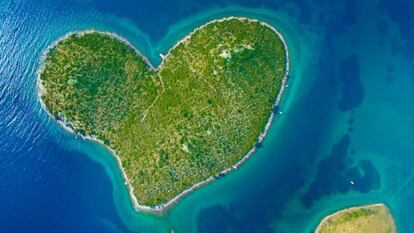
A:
x: 348, y: 115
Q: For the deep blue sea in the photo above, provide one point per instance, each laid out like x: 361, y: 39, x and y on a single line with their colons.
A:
x: 348, y: 115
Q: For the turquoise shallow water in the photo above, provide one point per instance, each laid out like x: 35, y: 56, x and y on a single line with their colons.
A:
x: 347, y: 116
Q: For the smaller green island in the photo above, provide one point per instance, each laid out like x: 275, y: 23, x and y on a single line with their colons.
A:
x: 374, y: 218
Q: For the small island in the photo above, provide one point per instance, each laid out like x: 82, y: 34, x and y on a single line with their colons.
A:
x: 365, y: 219
x: 176, y: 127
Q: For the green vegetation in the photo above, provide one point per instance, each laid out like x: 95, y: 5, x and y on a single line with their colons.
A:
x: 367, y: 219
x: 199, y: 113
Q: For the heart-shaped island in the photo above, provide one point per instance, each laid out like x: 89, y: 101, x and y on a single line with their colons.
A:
x: 197, y: 116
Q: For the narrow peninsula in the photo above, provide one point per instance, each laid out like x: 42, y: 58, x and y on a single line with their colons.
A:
x: 365, y: 219
x: 173, y: 128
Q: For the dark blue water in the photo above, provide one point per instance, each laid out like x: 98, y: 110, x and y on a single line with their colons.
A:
x: 348, y: 116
